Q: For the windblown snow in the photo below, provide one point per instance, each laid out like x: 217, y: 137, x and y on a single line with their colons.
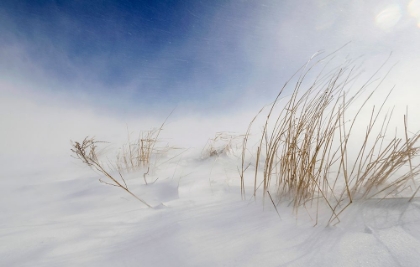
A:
x: 60, y: 214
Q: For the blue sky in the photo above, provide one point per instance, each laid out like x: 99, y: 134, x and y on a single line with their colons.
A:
x: 201, y: 55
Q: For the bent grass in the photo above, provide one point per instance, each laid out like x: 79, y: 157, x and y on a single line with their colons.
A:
x: 86, y: 152
x: 303, y: 151
x: 306, y: 154
x: 132, y: 157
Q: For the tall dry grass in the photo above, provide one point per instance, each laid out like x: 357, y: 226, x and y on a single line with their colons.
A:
x: 306, y: 155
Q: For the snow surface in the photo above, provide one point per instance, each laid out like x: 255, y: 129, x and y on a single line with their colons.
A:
x: 198, y: 219
x: 54, y: 212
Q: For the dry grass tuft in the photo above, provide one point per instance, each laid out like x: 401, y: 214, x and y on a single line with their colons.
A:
x: 86, y: 151
x: 139, y: 154
x: 223, y: 143
x: 304, y: 152
x: 133, y: 156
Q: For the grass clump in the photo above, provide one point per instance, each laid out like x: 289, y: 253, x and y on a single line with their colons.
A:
x: 223, y: 143
x: 86, y: 151
x: 139, y: 154
x: 306, y: 154
x: 133, y: 156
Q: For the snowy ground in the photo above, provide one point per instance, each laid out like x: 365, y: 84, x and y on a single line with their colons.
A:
x: 54, y: 212
x: 198, y: 219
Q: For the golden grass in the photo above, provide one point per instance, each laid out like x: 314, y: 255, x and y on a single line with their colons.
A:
x: 307, y: 154
x: 86, y: 151
x: 138, y: 154
x: 133, y: 156
x: 303, y: 151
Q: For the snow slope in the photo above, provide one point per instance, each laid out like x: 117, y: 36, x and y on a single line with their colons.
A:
x: 198, y: 219
x: 54, y: 212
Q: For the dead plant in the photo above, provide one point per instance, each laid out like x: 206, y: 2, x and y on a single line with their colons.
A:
x: 223, y: 143
x: 132, y: 157
x: 86, y: 151
x: 304, y: 148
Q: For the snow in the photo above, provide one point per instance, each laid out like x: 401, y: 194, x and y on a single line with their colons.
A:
x: 55, y: 212
x: 198, y: 219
